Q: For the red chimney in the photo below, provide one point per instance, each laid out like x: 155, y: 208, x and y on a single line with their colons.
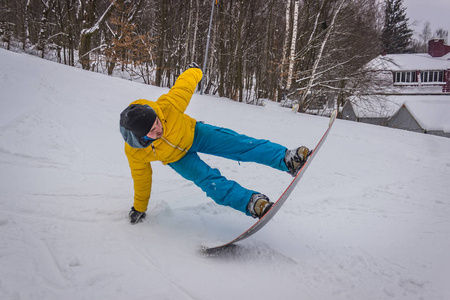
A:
x: 436, y: 48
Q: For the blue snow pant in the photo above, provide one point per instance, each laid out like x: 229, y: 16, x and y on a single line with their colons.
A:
x: 226, y: 143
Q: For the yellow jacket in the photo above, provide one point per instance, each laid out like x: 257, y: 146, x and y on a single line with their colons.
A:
x: 177, y: 138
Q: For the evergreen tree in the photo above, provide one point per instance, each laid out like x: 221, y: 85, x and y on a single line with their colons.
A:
x: 396, y: 36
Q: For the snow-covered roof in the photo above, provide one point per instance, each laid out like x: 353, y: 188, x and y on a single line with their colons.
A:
x: 409, y: 62
x: 432, y: 112
x: 376, y: 106
x: 387, y: 106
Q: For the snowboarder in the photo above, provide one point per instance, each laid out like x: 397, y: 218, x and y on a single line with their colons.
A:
x: 161, y: 131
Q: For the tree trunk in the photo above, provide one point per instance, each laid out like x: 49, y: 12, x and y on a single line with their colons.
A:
x: 161, y: 44
x: 293, y: 43
x: 26, y: 26
x: 187, y: 51
x: 86, y: 34
x: 287, y: 34
x: 239, y: 51
x: 194, y: 39
x: 222, y: 50
x: 43, y: 32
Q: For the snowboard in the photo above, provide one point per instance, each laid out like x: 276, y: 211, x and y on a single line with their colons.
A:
x: 277, y: 205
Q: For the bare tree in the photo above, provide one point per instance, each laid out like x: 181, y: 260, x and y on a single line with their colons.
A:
x: 90, y: 27
x: 303, y: 103
x: 442, y: 34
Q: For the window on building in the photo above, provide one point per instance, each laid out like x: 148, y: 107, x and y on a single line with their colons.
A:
x: 405, y: 77
x: 425, y: 76
x: 432, y: 76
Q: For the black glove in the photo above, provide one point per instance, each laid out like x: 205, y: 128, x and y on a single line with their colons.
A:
x: 136, y: 216
x: 193, y: 65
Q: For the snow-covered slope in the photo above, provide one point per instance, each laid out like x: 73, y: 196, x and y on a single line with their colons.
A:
x: 369, y: 220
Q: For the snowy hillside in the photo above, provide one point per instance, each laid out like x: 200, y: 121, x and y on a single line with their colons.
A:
x: 369, y: 220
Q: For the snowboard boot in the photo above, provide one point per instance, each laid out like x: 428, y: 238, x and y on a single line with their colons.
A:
x: 258, y: 205
x: 136, y: 216
x: 295, y: 159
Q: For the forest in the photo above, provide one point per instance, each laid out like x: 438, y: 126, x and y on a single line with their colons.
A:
x: 305, y: 50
